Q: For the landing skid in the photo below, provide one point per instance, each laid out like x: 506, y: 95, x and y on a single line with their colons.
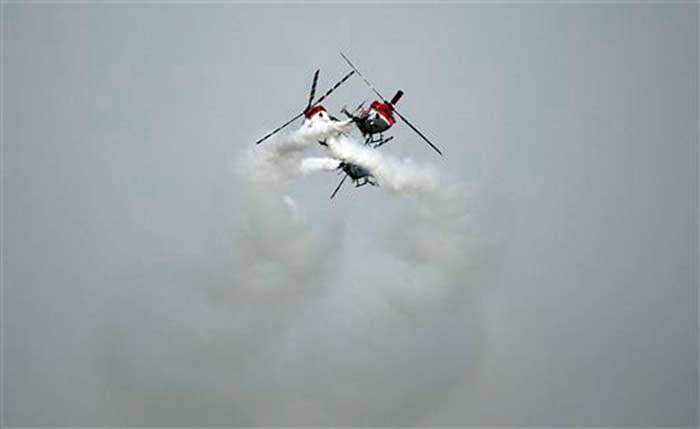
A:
x: 375, y: 141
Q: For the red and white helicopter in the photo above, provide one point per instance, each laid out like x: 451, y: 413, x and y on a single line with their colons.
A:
x: 313, y: 110
x: 373, y: 122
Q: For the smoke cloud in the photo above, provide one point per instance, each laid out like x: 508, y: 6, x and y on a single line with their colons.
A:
x: 403, y: 176
x: 310, y: 165
x: 316, y: 325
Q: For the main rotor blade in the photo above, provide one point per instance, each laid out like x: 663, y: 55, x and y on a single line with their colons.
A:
x: 279, y: 128
x: 418, y: 132
x: 339, y: 185
x: 313, y: 88
x: 340, y: 82
x: 363, y: 78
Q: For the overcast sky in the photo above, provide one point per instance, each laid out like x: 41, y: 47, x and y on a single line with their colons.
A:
x: 146, y: 284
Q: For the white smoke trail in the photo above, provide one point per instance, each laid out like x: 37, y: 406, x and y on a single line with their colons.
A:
x: 403, y: 176
x: 310, y: 165
x: 277, y: 160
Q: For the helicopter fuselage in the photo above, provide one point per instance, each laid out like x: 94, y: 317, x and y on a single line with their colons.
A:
x: 377, y: 119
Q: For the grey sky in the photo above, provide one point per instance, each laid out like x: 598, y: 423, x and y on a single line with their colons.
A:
x: 128, y: 240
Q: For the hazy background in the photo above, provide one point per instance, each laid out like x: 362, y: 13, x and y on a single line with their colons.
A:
x: 129, y: 238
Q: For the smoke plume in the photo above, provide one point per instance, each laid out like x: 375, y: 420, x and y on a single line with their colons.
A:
x: 402, y: 176
x: 310, y: 321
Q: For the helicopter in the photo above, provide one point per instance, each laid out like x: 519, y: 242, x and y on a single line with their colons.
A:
x: 313, y: 110
x: 373, y: 122
x: 360, y: 176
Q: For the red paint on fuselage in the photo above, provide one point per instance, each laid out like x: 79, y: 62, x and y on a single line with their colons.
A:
x: 385, y: 110
x: 311, y: 111
x: 377, y: 119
